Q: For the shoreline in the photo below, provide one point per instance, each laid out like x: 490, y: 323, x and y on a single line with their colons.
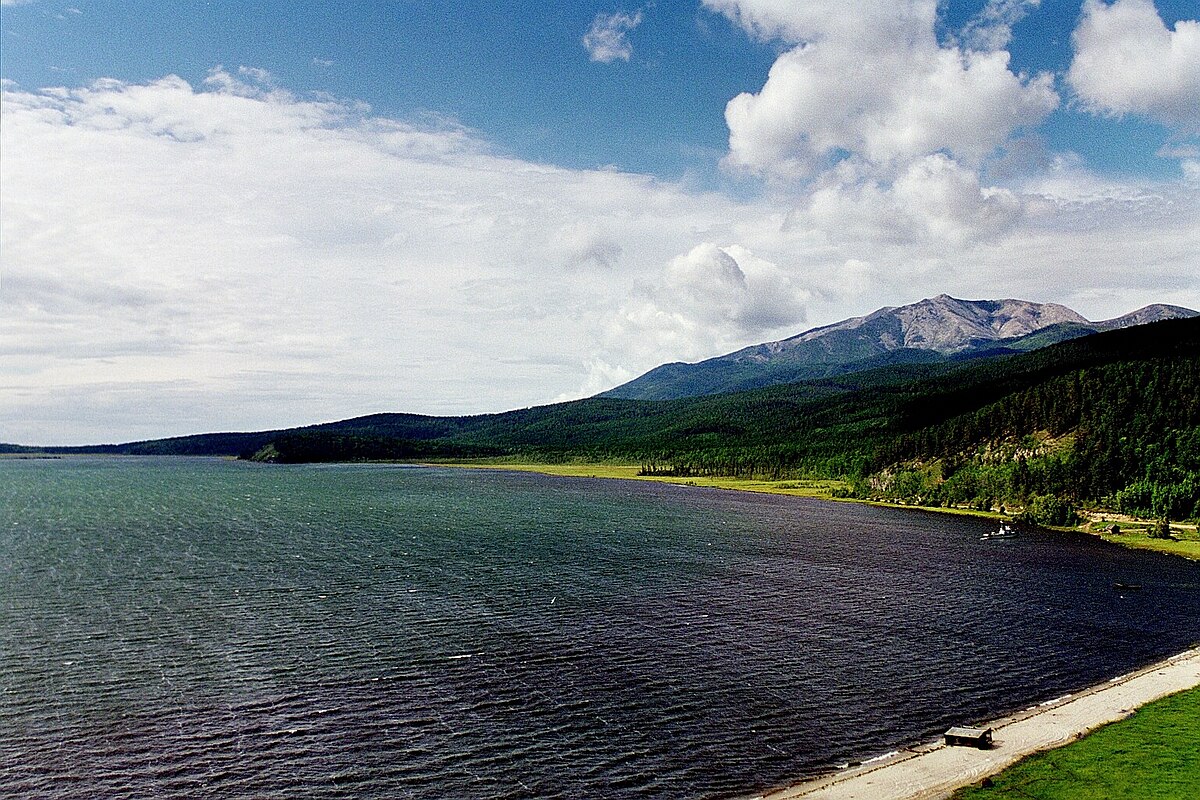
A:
x: 820, y: 489
x: 931, y: 771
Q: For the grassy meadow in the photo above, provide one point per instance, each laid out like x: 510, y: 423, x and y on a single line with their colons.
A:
x: 1134, y: 533
x: 1185, y: 540
x: 1152, y: 755
x: 795, y: 488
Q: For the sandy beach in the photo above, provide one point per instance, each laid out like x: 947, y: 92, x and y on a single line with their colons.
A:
x: 935, y: 771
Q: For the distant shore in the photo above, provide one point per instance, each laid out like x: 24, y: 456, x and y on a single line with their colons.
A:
x: 935, y: 770
x: 1136, y: 535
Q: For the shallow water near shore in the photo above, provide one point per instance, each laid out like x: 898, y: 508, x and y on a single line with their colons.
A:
x: 205, y: 628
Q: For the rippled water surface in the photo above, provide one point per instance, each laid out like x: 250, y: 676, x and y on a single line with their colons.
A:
x: 201, y: 628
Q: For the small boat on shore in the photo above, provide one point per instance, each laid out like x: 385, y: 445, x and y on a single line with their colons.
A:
x: 1005, y: 531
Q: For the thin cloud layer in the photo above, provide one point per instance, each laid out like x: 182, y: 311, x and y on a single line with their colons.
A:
x: 991, y: 28
x: 1128, y: 62
x: 231, y: 234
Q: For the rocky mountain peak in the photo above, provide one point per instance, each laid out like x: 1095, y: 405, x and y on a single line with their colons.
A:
x: 947, y: 324
x: 935, y: 329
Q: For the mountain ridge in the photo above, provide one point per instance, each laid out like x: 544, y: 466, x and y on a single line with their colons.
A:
x: 931, y: 330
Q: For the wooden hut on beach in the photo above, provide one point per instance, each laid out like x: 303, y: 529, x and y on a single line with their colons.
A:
x: 969, y: 737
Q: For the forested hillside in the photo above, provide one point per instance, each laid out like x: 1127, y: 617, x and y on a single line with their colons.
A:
x: 1126, y: 434
x: 1111, y: 418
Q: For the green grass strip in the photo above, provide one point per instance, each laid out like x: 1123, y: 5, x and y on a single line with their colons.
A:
x: 1153, y: 755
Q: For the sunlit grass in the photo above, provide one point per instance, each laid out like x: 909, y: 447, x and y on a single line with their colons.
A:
x: 1153, y: 754
x: 793, y: 487
x: 1186, y: 542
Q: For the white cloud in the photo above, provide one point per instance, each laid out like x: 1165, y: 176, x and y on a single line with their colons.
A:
x: 872, y: 82
x: 1127, y: 62
x: 607, y: 40
x: 584, y: 244
x: 883, y: 127
x: 710, y: 300
x: 233, y: 256
x: 1178, y: 150
x: 935, y: 203
x: 731, y: 291
x: 948, y: 201
x: 816, y: 20
x: 991, y: 28
x: 234, y: 234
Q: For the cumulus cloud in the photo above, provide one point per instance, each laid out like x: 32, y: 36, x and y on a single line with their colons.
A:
x: 713, y: 298
x: 1128, y: 62
x: 882, y: 126
x: 949, y: 202
x: 872, y: 81
x: 607, y: 40
x: 935, y: 201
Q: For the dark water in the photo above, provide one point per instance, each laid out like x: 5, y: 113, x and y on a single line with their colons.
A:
x: 201, y: 629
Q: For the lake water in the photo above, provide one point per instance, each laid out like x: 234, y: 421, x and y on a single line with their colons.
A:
x: 202, y: 629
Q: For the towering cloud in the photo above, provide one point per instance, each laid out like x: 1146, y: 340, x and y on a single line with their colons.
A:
x: 1127, y: 62
x: 870, y: 82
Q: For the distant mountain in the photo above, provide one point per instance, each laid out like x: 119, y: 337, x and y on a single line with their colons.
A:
x: 936, y: 330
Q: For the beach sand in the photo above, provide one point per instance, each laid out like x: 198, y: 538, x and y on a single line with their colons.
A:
x: 935, y: 771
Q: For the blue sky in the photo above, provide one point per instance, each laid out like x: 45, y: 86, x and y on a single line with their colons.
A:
x: 235, y: 216
x: 514, y: 71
